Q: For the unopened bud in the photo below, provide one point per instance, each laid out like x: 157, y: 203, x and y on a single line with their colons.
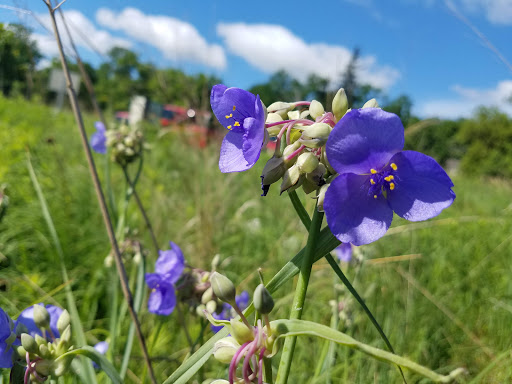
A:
x: 291, y: 179
x: 240, y: 332
x: 40, y: 340
x: 223, y: 288
x: 316, y: 135
x: 316, y: 109
x: 65, y: 337
x: 307, y: 162
x: 200, y: 310
x: 211, y: 306
x: 29, y: 343
x: 225, y: 349
x: 272, y: 172
x: 263, y: 301
x: 64, y: 321
x: 274, y: 118
x: 215, y: 261
x: 43, y: 367
x: 207, y: 296
x: 44, y: 352
x: 372, y: 103
x: 340, y: 104
x: 41, y: 316
x: 321, y: 197
x: 304, y: 114
x: 288, y: 151
x: 314, y: 180
x: 294, y: 115
x: 280, y: 108
x: 61, y: 366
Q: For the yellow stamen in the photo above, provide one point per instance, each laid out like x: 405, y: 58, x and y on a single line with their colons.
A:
x: 373, y: 171
x: 387, y: 178
x: 228, y: 116
x: 391, y: 177
x: 234, y: 107
x: 393, y: 165
x: 391, y: 186
x: 228, y: 127
x: 237, y: 124
x: 374, y: 196
x: 372, y: 182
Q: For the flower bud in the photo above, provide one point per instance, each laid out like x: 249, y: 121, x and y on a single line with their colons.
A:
x: 41, y: 316
x: 321, y: 197
x: 263, y: 301
x: 339, y: 104
x: 288, y: 151
x: 65, y: 337
x: 64, y: 321
x: 316, y: 135
x: 316, y: 109
x: 215, y: 261
x: 44, y: 352
x: 294, y: 115
x: 274, y: 118
x: 307, y: 162
x: 225, y: 349
x: 272, y: 172
x: 29, y: 343
x: 61, y: 366
x: 219, y: 381
x: 43, y: 367
x: 372, y: 103
x: 280, y: 108
x: 200, y: 310
x: 211, y: 306
x: 223, y: 288
x: 240, y: 332
x: 207, y: 296
x: 40, y: 340
x: 304, y: 114
x: 314, y: 180
x: 291, y: 179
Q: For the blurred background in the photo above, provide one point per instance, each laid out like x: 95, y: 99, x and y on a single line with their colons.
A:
x: 441, y: 289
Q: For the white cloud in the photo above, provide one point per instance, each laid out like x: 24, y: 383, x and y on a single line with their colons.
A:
x: 467, y: 100
x: 496, y: 11
x: 176, y: 39
x: 272, y: 47
x: 85, y: 35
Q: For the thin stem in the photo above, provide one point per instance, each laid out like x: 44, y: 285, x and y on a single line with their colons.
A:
x: 300, y: 295
x: 334, y: 265
x: 299, y: 208
x: 99, y: 193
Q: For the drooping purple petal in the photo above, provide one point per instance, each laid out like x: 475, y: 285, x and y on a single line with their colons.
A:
x: 27, y: 319
x: 364, y: 139
x: 232, y: 155
x: 344, y: 252
x: 162, y: 300
x: 170, y: 264
x: 352, y: 214
x: 422, y: 188
x: 98, y: 139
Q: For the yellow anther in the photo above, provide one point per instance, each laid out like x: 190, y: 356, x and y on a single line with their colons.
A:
x: 234, y: 107
x: 374, y: 196
x: 228, y: 116
x: 391, y: 177
x: 237, y: 124
x: 391, y: 186
x: 393, y: 165
x: 387, y: 178
x: 373, y: 171
x: 228, y: 127
x: 372, y: 182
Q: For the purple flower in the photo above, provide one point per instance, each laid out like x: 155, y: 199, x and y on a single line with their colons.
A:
x: 6, y: 328
x: 376, y: 178
x: 101, y: 347
x: 243, y: 114
x: 344, y: 252
x: 98, y: 139
x: 168, y: 269
x: 27, y: 319
x: 242, y: 300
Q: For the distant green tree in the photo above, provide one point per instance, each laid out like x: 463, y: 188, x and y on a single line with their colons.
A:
x: 280, y: 87
x: 400, y: 106
x: 18, y: 58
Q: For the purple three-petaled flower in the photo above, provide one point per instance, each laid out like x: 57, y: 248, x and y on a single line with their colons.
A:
x: 6, y: 328
x: 26, y: 318
x: 376, y: 178
x: 243, y: 114
x: 168, y: 269
x: 98, y: 138
x: 242, y: 301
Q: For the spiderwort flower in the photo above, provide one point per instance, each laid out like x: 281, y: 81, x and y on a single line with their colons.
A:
x: 6, y: 338
x: 98, y: 139
x: 168, y: 269
x: 101, y: 347
x: 243, y: 114
x: 344, y: 252
x: 27, y: 319
x: 376, y: 178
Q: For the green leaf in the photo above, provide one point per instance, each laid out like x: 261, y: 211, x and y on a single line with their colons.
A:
x: 287, y: 327
x: 98, y: 358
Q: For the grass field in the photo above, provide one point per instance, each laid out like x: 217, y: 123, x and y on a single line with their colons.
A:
x: 442, y: 289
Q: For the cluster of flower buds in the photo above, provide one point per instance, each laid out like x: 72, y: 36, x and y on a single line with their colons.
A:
x: 247, y: 345
x: 126, y: 144
x: 43, y: 353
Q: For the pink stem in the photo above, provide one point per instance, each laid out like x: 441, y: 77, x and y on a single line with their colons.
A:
x: 302, y: 103
x: 235, y: 360
x: 247, y: 361
x: 288, y: 133
x: 260, y: 366
x: 295, y: 153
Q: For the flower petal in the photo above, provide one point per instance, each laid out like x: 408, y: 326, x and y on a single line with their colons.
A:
x: 153, y: 280
x: 99, y: 142
x: 422, y: 189
x: 352, y: 215
x: 26, y: 318
x: 344, y: 252
x: 231, y: 105
x: 364, y: 139
x: 170, y: 263
x: 5, y: 355
x: 254, y: 134
x: 232, y: 157
x: 162, y: 300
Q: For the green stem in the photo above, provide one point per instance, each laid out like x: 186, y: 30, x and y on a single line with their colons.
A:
x: 300, y: 295
x: 299, y: 208
x: 334, y: 265
x: 267, y: 363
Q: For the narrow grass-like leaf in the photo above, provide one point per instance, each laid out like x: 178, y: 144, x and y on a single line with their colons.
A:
x: 76, y: 324
x: 288, y: 327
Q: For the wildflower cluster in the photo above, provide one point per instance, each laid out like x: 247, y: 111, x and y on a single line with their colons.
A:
x: 352, y: 159
x: 125, y: 143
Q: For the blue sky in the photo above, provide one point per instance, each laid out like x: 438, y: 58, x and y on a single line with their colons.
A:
x: 448, y: 56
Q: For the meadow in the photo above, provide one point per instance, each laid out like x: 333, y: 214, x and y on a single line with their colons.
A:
x: 441, y: 289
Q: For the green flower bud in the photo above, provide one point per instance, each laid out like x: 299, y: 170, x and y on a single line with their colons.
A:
x: 288, y: 151
x: 372, y: 103
x: 263, y: 301
x: 223, y: 288
x: 321, y: 197
x: 20, y: 351
x: 65, y: 337
x: 280, y: 108
x: 304, y: 114
x: 316, y: 109
x: 41, y: 317
x: 339, y: 104
x: 64, y: 321
x: 128, y: 141
x: 316, y: 135
x: 211, y: 306
x: 207, y: 296
x: 314, y: 180
x: 40, y: 340
x: 29, y: 343
x: 291, y: 179
x: 61, y: 366
x: 294, y: 115
x: 44, y: 352
x: 43, y: 367
x: 307, y: 162
x: 240, y: 332
x: 215, y: 261
x: 199, y: 310
x: 225, y: 349
x: 273, y: 170
x: 274, y: 118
